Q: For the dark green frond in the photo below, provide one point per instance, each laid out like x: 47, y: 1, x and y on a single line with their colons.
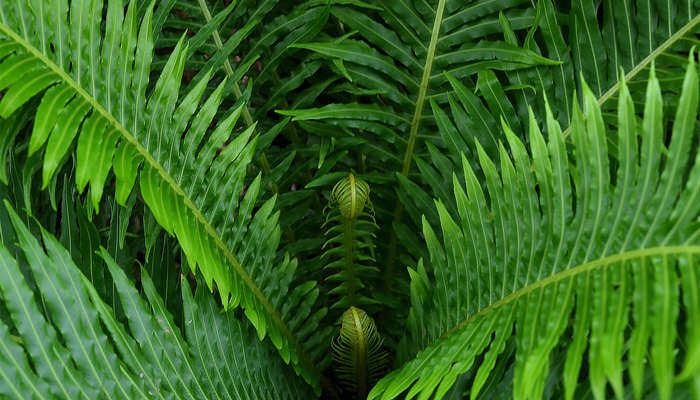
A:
x: 482, y: 60
x: 77, y: 349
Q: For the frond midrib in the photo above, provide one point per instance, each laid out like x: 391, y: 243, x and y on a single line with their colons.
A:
x: 173, y: 185
x: 423, y: 88
x: 413, y: 134
x: 574, y: 271
x: 639, y: 67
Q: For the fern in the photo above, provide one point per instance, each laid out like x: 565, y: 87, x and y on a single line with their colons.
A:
x: 117, y: 125
x: 98, y: 357
x: 617, y: 247
x: 562, y: 267
x: 475, y: 106
x: 625, y: 48
x: 350, y: 231
x: 412, y: 53
x: 358, y: 354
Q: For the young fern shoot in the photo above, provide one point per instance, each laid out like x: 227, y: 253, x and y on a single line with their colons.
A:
x: 350, y: 230
x: 359, y: 360
x: 358, y: 355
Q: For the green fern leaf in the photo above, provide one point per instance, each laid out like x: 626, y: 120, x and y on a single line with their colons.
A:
x: 568, y: 242
x: 191, y: 178
x: 79, y: 350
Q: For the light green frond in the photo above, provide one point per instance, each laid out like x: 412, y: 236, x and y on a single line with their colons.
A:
x: 93, y: 80
x: 350, y: 231
x: 350, y: 194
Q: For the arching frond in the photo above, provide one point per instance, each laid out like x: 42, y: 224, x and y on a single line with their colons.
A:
x: 604, y: 251
x: 93, y: 79
x: 79, y: 350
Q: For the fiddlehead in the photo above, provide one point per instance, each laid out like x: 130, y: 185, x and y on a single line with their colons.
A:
x: 350, y: 231
x: 358, y: 355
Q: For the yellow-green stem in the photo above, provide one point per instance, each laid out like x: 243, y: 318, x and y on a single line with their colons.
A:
x: 360, y: 354
x: 413, y: 134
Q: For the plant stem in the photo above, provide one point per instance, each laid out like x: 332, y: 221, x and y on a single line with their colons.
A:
x: 348, y: 245
x: 227, y: 65
x: 423, y: 89
x: 410, y: 145
x: 615, y: 259
x: 360, y: 354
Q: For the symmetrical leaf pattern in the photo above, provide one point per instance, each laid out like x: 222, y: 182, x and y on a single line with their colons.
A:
x: 555, y: 265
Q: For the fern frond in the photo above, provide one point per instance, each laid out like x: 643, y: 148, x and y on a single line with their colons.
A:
x: 357, y: 352
x: 191, y: 178
x: 404, y: 50
x: 479, y: 108
x: 257, y: 51
x: 411, y: 71
x: 411, y: 52
x: 265, y: 73
x: 9, y: 130
x: 79, y: 350
x: 611, y: 246
x: 350, y: 194
x: 350, y: 232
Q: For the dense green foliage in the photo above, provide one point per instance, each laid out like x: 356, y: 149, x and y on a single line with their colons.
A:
x: 270, y: 199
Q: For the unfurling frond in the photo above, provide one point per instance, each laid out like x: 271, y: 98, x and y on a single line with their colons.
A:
x: 351, y: 231
x: 350, y: 194
x: 359, y: 359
